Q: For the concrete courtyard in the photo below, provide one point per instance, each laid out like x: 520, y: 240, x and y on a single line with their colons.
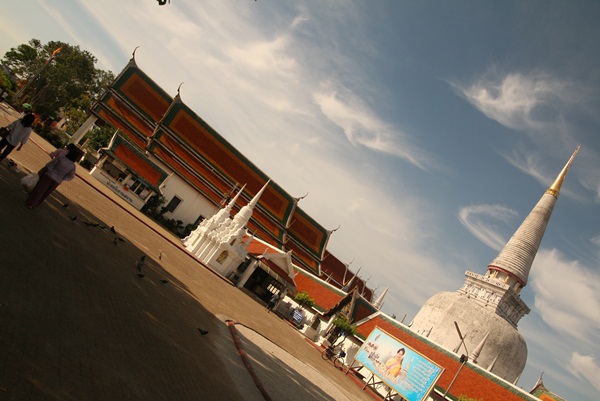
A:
x: 78, y: 323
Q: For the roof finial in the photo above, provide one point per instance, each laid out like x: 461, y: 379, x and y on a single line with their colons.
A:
x: 554, y: 189
x: 232, y: 202
x: 379, y: 302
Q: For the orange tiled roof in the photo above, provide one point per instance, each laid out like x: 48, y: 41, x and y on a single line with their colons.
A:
x: 332, y: 266
x: 258, y: 248
x: 118, y: 109
x: 109, y: 118
x: 128, y: 155
x: 325, y: 296
x: 144, y: 94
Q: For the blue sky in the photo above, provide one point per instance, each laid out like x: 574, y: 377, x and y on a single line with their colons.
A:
x: 426, y: 130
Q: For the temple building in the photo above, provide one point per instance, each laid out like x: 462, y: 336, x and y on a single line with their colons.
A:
x: 163, y: 149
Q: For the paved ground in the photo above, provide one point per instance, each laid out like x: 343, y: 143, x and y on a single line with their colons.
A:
x: 77, y: 323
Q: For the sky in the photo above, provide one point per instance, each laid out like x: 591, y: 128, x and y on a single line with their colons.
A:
x: 425, y: 130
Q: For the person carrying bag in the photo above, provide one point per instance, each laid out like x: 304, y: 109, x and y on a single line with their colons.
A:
x: 18, y: 134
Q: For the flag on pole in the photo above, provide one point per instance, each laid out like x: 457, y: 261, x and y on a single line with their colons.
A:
x: 55, y: 53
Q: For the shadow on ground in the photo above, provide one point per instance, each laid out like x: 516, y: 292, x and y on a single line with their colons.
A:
x: 79, y: 323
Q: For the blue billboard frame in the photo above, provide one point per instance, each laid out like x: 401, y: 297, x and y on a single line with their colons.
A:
x: 406, y: 371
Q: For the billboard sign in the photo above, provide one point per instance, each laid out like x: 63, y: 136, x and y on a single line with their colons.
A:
x: 406, y: 371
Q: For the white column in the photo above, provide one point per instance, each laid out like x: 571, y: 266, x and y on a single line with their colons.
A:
x: 85, y: 127
x: 247, y: 273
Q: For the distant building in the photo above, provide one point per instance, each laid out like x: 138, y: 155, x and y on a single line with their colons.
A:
x: 541, y: 392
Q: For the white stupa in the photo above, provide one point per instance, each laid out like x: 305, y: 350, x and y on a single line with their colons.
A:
x: 218, y: 241
x: 488, y: 308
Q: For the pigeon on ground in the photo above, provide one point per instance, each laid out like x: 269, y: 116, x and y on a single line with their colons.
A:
x: 140, y: 275
x: 140, y: 263
x: 164, y: 281
x: 203, y: 332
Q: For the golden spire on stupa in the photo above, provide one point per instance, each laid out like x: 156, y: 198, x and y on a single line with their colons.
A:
x: 554, y: 189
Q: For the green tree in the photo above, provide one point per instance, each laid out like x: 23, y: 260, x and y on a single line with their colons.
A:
x: 54, y: 84
x: 304, y: 299
x: 5, y: 83
x: 99, y: 137
x: 341, y: 325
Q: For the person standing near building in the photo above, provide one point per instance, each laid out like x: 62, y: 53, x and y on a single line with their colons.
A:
x: 52, y: 175
x: 272, y: 302
x: 18, y: 134
x: 62, y: 151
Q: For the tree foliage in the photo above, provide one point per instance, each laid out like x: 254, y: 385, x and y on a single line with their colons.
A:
x: 6, y: 84
x: 99, y: 137
x: 304, y: 299
x: 343, y: 325
x: 53, y: 85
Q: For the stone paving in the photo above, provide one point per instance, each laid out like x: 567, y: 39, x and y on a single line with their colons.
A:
x: 77, y: 323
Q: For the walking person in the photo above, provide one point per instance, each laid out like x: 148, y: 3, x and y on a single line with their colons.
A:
x: 52, y: 175
x: 272, y: 302
x: 62, y: 151
x: 18, y: 134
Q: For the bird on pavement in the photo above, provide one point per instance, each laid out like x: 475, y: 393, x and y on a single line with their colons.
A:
x: 203, y: 332
x: 140, y: 263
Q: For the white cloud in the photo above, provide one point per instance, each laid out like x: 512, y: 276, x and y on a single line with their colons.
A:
x: 523, y: 102
x: 586, y: 366
x: 476, y: 218
x: 567, y: 296
x: 589, y: 164
x: 363, y: 127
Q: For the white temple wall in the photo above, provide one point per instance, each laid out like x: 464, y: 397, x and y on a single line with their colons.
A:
x: 192, y: 205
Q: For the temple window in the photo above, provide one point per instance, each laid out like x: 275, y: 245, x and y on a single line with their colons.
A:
x: 173, y: 203
x: 138, y: 187
x: 222, y: 257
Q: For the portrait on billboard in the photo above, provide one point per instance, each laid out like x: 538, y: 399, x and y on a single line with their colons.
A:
x: 403, y: 369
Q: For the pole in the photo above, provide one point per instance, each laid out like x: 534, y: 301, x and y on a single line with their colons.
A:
x: 463, y: 359
x: 21, y: 91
